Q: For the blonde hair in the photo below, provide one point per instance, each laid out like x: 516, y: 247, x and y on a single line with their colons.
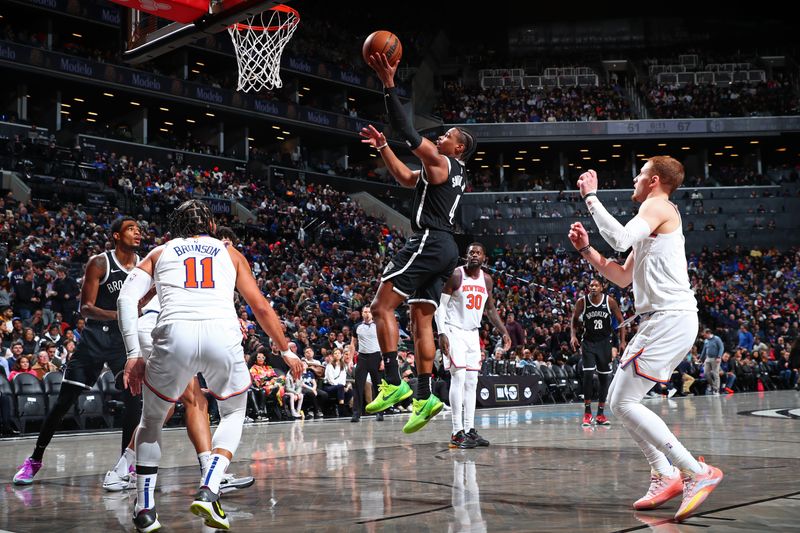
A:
x: 669, y: 170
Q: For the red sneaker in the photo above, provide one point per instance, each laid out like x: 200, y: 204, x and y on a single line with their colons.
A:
x: 587, y: 420
x: 602, y: 420
x: 662, y: 489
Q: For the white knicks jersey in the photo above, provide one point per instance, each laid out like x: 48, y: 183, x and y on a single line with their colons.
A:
x: 465, y: 308
x: 195, y: 279
x: 660, y: 274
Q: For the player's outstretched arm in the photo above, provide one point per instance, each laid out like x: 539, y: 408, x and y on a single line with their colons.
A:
x: 263, y: 311
x: 651, y: 216
x: 620, y: 275
x: 493, y: 315
x: 404, y: 175
x: 95, y: 271
x: 623, y: 330
x: 573, y: 325
x: 440, y: 316
x: 136, y: 286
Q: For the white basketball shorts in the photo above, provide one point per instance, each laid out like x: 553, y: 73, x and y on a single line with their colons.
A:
x: 465, y: 349
x: 182, y: 348
x: 663, y: 339
x: 147, y: 322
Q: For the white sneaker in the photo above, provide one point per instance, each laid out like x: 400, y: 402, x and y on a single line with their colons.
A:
x: 113, y: 482
x: 671, y: 393
x: 230, y: 482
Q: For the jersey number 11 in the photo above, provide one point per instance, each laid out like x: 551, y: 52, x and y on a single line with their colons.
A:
x: 207, y: 281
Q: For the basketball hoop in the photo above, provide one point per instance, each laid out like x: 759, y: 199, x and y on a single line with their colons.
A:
x: 259, y: 42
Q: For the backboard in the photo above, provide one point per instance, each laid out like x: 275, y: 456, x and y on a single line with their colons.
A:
x: 155, y: 27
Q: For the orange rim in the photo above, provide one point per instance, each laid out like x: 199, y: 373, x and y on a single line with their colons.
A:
x: 280, y: 7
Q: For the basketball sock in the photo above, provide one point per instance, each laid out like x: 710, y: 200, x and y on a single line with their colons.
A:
x: 391, y: 368
x: 587, y: 408
x: 457, y: 381
x: 423, y: 387
x: 470, y: 393
x: 38, y: 452
x: 203, y: 458
x: 587, y: 386
x: 658, y: 461
x: 600, y: 408
x: 145, y: 487
x: 216, y: 469
x: 605, y: 381
x: 127, y: 458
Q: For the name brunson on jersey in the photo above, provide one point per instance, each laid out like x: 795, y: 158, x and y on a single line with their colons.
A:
x: 206, y: 249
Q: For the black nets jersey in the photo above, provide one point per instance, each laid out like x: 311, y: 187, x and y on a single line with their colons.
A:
x: 434, y: 206
x: 596, y: 320
x: 110, y: 285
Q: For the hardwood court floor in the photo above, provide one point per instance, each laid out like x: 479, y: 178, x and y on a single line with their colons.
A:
x: 542, y: 472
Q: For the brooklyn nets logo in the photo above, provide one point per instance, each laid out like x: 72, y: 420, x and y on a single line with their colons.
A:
x: 789, y: 414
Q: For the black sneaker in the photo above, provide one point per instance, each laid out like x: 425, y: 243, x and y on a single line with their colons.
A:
x: 462, y: 440
x: 146, y: 521
x: 379, y: 417
x: 206, y: 505
x: 355, y: 418
x: 480, y: 441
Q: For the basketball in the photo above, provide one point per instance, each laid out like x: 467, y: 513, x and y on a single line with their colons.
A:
x: 383, y: 41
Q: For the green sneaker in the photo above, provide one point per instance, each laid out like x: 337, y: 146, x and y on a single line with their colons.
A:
x: 422, y: 412
x: 388, y: 395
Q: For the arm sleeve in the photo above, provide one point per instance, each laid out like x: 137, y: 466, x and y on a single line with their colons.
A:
x: 441, y: 314
x: 135, y: 287
x: 619, y: 237
x: 399, y: 120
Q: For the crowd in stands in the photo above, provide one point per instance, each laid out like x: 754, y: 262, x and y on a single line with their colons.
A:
x: 771, y: 98
x: 461, y: 104
x: 319, y: 279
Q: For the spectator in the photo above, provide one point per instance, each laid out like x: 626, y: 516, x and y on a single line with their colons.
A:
x: 43, y: 364
x: 515, y: 331
x: 22, y: 366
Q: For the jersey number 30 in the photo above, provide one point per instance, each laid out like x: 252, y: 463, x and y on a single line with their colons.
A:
x: 207, y: 278
x: 474, y: 301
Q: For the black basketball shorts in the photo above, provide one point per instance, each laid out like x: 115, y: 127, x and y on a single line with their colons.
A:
x: 422, y: 267
x: 596, y: 355
x: 100, y: 343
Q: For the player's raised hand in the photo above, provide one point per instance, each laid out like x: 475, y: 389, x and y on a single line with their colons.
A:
x: 578, y: 235
x: 385, y: 70
x: 133, y: 376
x: 372, y: 136
x: 587, y: 182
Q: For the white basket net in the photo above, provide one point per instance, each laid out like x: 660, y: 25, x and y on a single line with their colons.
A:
x: 259, y: 42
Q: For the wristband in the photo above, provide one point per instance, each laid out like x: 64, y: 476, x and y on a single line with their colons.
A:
x: 588, y: 194
x: 290, y: 354
x: 584, y: 249
x: 381, y: 147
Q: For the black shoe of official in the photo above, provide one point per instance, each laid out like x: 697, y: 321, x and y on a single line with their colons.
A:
x: 462, y: 440
x: 480, y: 441
x: 355, y: 418
x: 379, y: 417
x: 206, y: 505
x: 146, y: 521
